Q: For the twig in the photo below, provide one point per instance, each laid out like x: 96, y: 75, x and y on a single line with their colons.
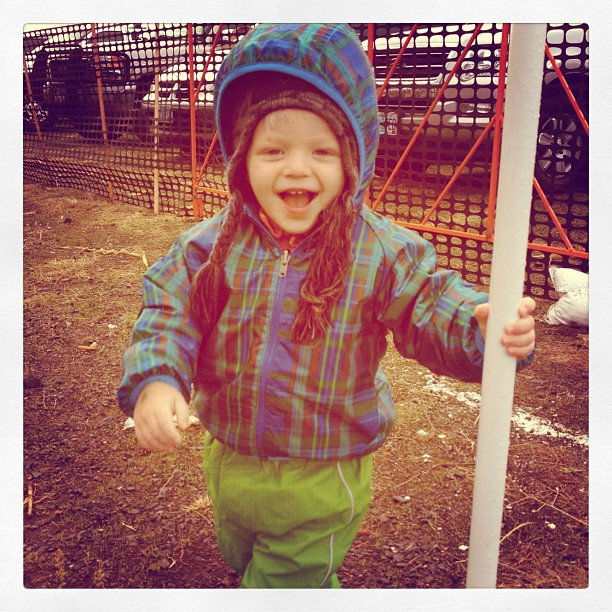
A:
x: 44, y: 400
x: 140, y: 254
x: 413, y: 559
x: 468, y: 439
x: 46, y: 496
x: 167, y: 481
x: 513, y: 568
x: 30, y: 498
x: 575, y: 518
x: 401, y: 484
x: 515, y: 529
x: 553, y: 501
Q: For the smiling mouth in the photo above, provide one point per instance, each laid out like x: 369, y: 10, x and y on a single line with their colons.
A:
x: 297, y: 199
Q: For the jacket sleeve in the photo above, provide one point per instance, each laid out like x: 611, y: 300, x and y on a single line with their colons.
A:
x: 165, y: 340
x: 430, y: 313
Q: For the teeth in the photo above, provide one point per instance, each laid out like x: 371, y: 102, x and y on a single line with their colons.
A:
x: 297, y: 198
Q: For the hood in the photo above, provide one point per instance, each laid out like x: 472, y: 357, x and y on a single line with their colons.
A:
x: 327, y: 56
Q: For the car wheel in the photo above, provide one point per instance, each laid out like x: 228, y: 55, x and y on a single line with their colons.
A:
x: 33, y: 106
x: 561, y: 149
x: 43, y: 114
x: 563, y: 145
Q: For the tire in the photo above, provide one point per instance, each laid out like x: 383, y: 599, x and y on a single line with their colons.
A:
x: 35, y: 106
x: 561, y: 150
x: 46, y: 118
x: 562, y: 145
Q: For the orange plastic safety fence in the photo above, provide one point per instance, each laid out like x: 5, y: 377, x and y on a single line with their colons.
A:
x: 125, y: 110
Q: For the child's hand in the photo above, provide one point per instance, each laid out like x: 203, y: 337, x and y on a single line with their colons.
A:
x: 519, y: 335
x: 157, y: 404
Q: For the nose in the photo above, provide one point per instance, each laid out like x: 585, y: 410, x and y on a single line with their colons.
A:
x: 297, y: 163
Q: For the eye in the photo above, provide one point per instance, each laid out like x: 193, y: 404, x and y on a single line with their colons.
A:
x: 326, y: 152
x: 272, y: 151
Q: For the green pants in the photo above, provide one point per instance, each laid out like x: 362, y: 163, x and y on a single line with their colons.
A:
x: 285, y: 523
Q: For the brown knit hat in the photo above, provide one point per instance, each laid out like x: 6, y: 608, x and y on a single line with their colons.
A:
x: 256, y: 95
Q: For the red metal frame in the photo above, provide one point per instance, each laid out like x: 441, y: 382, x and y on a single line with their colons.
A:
x: 382, y: 88
x: 194, y: 91
x: 567, y: 89
x: 424, y: 121
x: 495, y: 124
x: 499, y: 121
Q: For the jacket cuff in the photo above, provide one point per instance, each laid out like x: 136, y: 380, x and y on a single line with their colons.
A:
x: 526, y: 360
x: 480, y: 345
x: 147, y: 381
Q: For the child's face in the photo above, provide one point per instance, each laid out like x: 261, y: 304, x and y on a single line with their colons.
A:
x: 294, y: 168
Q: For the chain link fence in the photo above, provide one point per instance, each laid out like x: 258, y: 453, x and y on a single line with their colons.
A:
x: 125, y: 110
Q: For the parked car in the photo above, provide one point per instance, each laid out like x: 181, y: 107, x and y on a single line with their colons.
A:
x: 468, y: 103
x: 127, y: 58
x: 414, y: 91
x: 406, y: 97
x: 33, y: 99
x: 562, y: 147
x: 174, y: 122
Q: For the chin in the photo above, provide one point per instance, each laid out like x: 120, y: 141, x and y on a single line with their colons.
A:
x: 297, y: 227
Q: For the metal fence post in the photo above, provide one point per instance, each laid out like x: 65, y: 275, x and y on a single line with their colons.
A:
x: 96, y: 54
x: 156, y: 127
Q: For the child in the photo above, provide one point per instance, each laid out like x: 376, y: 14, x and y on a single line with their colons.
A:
x: 277, y: 309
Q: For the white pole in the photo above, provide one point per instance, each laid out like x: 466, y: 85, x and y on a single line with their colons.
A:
x: 525, y: 62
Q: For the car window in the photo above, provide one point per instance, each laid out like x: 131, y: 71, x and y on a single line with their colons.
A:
x: 110, y: 36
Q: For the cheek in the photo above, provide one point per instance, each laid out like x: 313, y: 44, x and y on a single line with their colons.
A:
x: 256, y: 176
x: 337, y: 180
x: 250, y: 170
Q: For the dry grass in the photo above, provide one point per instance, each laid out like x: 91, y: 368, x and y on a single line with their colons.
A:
x: 106, y: 514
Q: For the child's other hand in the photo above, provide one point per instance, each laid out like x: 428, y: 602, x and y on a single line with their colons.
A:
x: 519, y: 335
x: 157, y: 404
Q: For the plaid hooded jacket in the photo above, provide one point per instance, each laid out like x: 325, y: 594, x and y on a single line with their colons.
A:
x: 255, y: 390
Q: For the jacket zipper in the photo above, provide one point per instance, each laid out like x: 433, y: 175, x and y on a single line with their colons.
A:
x: 284, y: 264
x: 274, y: 325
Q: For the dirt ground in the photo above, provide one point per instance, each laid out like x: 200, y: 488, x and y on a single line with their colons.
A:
x: 99, y: 512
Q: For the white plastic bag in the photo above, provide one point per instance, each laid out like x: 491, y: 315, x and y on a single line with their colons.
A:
x: 572, y: 308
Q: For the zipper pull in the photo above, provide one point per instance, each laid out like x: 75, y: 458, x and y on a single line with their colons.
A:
x: 284, y: 264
